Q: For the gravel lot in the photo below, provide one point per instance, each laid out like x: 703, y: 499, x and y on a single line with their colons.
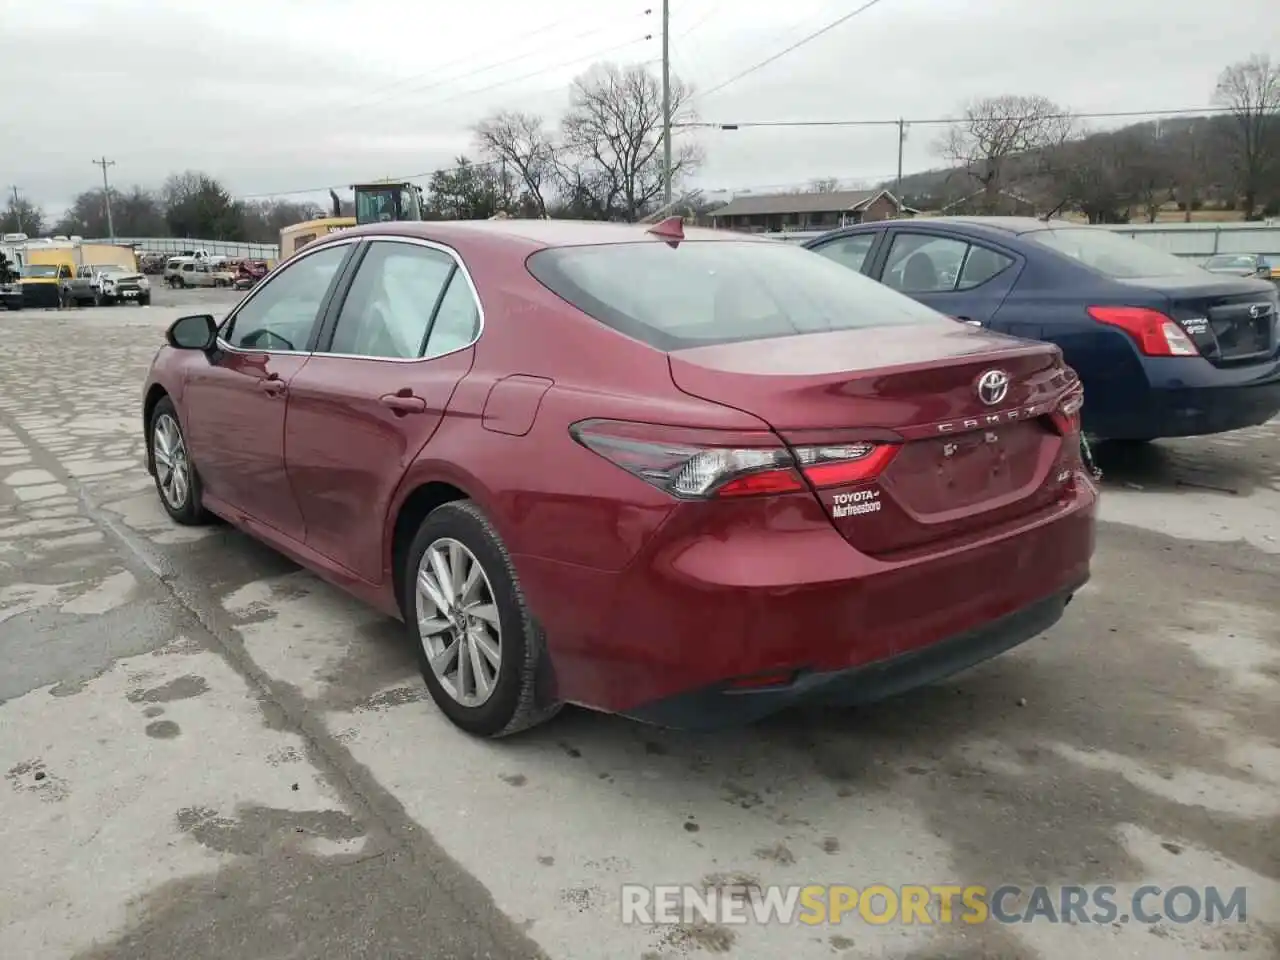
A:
x: 208, y: 753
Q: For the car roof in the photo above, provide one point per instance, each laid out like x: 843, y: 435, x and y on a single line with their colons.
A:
x: 537, y: 234
x: 1014, y: 225
x: 993, y: 228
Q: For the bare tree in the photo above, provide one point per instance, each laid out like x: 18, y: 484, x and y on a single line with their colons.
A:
x: 614, y: 130
x: 1090, y: 175
x: 1190, y: 154
x: 1250, y: 90
x: 824, y: 185
x: 996, y: 133
x: 520, y: 141
x: 1147, y: 170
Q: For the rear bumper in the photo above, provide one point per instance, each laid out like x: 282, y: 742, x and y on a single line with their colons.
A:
x: 722, y: 705
x: 1191, y: 397
x: 663, y: 639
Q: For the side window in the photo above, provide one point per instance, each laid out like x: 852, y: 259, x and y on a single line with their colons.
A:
x: 281, y: 315
x: 850, y: 252
x: 64, y: 272
x: 919, y: 263
x: 457, y: 319
x: 388, y: 310
x: 980, y: 266
x: 188, y: 267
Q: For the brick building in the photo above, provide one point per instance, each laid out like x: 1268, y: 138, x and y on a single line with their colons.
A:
x: 773, y: 212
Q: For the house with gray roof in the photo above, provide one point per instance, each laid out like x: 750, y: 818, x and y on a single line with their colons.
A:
x: 775, y: 212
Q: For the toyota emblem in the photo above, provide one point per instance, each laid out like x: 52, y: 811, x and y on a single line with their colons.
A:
x: 1258, y: 311
x: 993, y: 386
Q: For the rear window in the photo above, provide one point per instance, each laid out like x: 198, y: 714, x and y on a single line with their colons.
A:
x: 1111, y: 254
x: 702, y: 293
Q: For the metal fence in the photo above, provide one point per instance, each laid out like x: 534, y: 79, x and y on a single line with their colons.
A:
x: 1204, y: 240
x: 217, y: 248
x: 1197, y: 241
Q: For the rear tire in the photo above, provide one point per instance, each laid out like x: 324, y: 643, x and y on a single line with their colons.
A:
x: 177, y: 482
x: 457, y: 635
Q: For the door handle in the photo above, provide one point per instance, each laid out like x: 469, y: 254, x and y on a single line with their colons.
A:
x: 972, y: 323
x: 403, y: 402
x: 272, y: 386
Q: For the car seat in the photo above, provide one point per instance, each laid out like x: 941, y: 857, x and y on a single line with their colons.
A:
x: 919, y: 273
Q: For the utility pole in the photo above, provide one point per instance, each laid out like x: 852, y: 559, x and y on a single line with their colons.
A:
x: 17, y: 207
x: 666, y: 102
x: 902, y: 138
x: 106, y: 194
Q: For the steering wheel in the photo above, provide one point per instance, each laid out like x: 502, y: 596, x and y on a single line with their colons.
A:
x: 256, y: 337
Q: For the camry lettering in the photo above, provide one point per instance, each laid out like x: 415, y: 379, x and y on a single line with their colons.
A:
x: 994, y: 419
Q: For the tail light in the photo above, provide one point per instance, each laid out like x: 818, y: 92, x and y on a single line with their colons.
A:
x: 1066, y: 419
x: 1156, y: 334
x: 696, y: 464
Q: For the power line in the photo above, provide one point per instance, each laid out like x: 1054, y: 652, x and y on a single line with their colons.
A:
x: 928, y: 121
x: 494, y: 66
x: 429, y: 173
x: 545, y: 70
x: 948, y: 121
x: 782, y: 53
x: 384, y: 88
x: 701, y: 20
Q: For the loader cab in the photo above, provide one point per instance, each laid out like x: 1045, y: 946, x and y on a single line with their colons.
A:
x: 387, y: 202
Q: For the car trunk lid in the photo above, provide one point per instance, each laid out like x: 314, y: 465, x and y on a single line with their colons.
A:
x: 1231, y: 320
x: 964, y: 461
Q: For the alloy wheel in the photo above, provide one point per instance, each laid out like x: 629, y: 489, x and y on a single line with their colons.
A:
x: 458, y: 621
x: 173, y: 470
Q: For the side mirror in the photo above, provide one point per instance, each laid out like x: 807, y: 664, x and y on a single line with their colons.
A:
x: 198, y: 332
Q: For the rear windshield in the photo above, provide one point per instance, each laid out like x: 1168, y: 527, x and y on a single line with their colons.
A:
x: 1111, y: 254
x: 702, y: 293
x: 1240, y: 261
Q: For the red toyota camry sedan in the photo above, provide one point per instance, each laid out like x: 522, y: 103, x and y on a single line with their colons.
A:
x: 691, y: 478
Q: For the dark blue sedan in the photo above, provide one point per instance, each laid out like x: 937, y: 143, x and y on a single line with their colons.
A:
x: 1164, y: 348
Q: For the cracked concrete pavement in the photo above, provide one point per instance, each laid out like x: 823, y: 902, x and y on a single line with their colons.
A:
x: 206, y: 752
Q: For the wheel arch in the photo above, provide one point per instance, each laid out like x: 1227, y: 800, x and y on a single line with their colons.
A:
x: 155, y: 393
x: 414, y: 508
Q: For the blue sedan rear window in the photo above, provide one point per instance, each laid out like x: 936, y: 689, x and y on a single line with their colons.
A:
x: 702, y: 293
x: 1111, y: 254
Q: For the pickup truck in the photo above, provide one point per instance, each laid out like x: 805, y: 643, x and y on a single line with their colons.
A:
x: 104, y: 285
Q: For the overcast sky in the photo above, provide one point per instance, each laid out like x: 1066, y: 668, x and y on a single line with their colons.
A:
x: 273, y: 96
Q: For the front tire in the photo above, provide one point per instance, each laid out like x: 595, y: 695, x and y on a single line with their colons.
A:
x: 177, y: 481
x: 144, y: 300
x: 480, y: 651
